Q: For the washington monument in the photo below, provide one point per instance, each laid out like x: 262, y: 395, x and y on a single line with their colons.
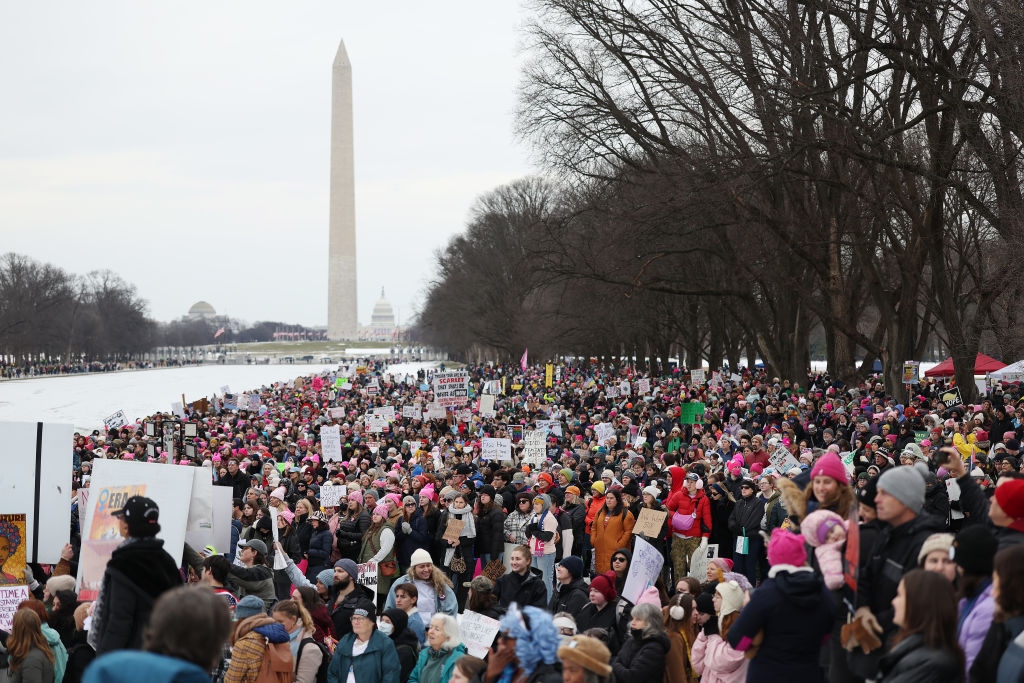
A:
x: 342, y: 305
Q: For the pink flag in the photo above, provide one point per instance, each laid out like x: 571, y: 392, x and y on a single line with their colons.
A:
x: 522, y: 361
x: 218, y: 333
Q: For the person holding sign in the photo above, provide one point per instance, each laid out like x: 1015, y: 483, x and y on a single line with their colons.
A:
x: 745, y: 524
x: 543, y: 534
x: 379, y: 547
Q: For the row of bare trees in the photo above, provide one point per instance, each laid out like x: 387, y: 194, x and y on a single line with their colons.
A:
x: 727, y: 175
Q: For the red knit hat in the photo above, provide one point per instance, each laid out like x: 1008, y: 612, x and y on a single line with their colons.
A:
x: 1010, y: 496
x: 829, y: 465
x: 605, y: 585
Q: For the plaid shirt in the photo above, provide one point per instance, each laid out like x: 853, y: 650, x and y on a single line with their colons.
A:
x: 515, y: 526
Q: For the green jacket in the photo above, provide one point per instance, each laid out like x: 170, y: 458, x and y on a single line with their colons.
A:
x: 379, y: 662
x: 446, y: 671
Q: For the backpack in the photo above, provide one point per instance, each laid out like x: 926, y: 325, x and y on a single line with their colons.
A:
x: 276, y: 666
x: 325, y: 662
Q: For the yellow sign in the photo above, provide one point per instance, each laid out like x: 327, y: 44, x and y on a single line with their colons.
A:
x: 549, y: 371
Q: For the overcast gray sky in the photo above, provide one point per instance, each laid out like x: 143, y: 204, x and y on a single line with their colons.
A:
x: 186, y: 145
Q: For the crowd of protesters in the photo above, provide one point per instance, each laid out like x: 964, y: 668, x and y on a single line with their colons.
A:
x: 853, y: 536
x: 30, y: 368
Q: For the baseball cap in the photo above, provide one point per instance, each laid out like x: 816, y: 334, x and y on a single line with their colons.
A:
x: 480, y: 584
x: 256, y: 544
x: 142, y: 515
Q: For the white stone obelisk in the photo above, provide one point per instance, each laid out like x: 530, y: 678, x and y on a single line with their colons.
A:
x: 342, y: 304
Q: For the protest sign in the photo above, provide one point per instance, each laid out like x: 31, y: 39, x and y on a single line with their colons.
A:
x: 643, y: 570
x: 279, y: 561
x: 387, y: 412
x: 434, y: 411
x: 534, y: 451
x: 12, y: 549
x: 643, y: 386
x: 549, y: 372
x: 222, y: 518
x: 735, y: 378
x: 368, y: 575
x: 10, y: 598
x: 495, y: 449
x: 375, y: 423
x: 624, y: 388
x: 699, y: 562
x: 550, y: 426
x: 224, y: 390
x: 951, y: 398
x: 331, y: 495
x: 782, y: 460
x: 451, y: 388
x: 115, y: 421
x: 649, y: 522
x: 330, y: 443
x: 691, y: 413
x: 37, y: 458
x: 464, y: 415
x: 113, y: 482
x: 477, y: 632
x: 486, y: 406
x: 199, y: 526
x: 604, y: 432
x: 454, y: 528
x: 611, y: 391
x: 910, y: 372
x: 697, y: 376
x: 411, y: 412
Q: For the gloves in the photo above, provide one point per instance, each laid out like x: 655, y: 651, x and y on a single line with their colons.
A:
x: 406, y: 528
x: 711, y: 626
x: 30, y: 579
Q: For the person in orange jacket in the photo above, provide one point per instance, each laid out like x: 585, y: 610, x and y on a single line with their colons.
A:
x: 597, y: 495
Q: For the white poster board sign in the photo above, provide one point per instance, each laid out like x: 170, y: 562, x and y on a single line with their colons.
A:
x: 477, y: 632
x: 10, y: 598
x: 643, y: 386
x: 451, y: 388
x: 368, y: 575
x: 115, y: 421
x: 375, y: 424
x: 330, y: 443
x: 643, y: 569
x: 37, y: 466
x: 331, y: 494
x: 551, y: 426
x: 411, y: 412
x: 604, y: 432
x: 624, y: 388
x: 487, y: 406
x: 199, y: 528
x: 492, y: 449
x: 782, y: 460
x: 697, y: 376
x: 535, y: 450
x: 387, y: 412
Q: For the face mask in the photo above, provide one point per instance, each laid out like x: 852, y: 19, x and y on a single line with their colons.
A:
x: 386, y: 628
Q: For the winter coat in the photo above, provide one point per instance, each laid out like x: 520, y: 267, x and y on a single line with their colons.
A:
x: 1011, y: 664
x: 716, y: 661
x: 641, y: 658
x: 341, y: 613
x: 578, y: 518
x: 444, y: 602
x: 490, y: 533
x: 893, y: 555
x: 681, y: 504
x: 256, y: 580
x: 132, y: 666
x: 608, y: 533
x: 570, y: 597
x: 606, y: 618
x: 998, y: 639
x: 911, y: 662
x: 523, y: 590
x: 34, y: 668
x: 746, y: 516
x: 795, y: 611
x: 80, y: 656
x: 593, y: 507
x: 379, y: 662
x: 350, y: 534
x: 449, y: 663
x: 319, y: 552
x: 417, y: 537
x: 139, y: 571
x: 721, y: 509
x: 975, y: 623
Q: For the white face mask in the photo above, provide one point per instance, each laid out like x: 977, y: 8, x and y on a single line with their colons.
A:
x: 385, y: 627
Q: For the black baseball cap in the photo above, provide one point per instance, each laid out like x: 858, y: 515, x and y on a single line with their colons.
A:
x: 142, y: 515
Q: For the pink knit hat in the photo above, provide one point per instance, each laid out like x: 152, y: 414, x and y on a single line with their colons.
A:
x: 278, y: 493
x: 357, y: 496
x: 381, y: 510
x: 829, y: 465
x: 288, y: 515
x: 650, y: 596
x: 818, y: 525
x: 786, y: 548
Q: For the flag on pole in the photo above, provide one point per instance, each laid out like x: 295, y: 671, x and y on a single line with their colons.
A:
x: 522, y: 361
x: 218, y: 333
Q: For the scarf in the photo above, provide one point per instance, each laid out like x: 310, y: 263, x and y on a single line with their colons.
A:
x: 294, y: 640
x: 468, y: 531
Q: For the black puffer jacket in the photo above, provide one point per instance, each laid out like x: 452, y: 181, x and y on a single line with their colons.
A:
x: 641, y: 658
x: 911, y: 662
x: 138, y: 572
x: 570, y: 597
x: 490, y: 533
x: 746, y: 516
x: 350, y: 534
x: 523, y: 590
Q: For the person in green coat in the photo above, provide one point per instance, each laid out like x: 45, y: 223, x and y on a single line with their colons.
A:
x: 444, y: 646
x: 366, y: 652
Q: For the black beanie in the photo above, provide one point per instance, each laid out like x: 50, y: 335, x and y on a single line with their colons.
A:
x: 975, y: 549
x: 705, y: 603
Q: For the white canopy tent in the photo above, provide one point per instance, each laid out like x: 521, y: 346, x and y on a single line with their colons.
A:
x: 1014, y: 372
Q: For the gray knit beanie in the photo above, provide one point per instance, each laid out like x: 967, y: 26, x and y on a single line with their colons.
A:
x: 905, y: 484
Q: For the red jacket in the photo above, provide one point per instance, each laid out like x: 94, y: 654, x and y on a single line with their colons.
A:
x: 681, y: 508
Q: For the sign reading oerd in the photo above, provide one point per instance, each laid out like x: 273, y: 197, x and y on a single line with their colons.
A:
x: 451, y: 388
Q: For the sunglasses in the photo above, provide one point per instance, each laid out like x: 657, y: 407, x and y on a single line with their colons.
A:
x: 618, y: 559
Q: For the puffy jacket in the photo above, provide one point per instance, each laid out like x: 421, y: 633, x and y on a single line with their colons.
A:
x: 138, y: 572
x: 319, y: 551
x: 795, y: 611
x: 444, y: 602
x: 911, y: 662
x: 378, y: 663
x: 256, y: 580
x: 449, y: 663
x: 490, y: 533
x: 716, y: 661
x: 593, y: 507
x: 341, y: 613
x: 641, y: 659
x: 746, y: 516
x: 523, y: 590
x: 350, y: 534
x: 975, y: 624
x: 697, y: 507
x: 607, y: 534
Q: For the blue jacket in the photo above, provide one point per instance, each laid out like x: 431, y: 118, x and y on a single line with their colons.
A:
x: 449, y: 663
x: 320, y: 549
x: 132, y: 666
x: 379, y: 662
x: 236, y: 532
x: 796, y: 612
x: 1011, y: 665
x: 444, y: 602
x: 419, y: 537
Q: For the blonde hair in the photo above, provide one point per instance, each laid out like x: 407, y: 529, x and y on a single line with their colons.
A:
x: 304, y: 502
x: 297, y: 610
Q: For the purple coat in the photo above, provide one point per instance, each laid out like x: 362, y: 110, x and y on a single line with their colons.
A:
x: 975, y: 624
